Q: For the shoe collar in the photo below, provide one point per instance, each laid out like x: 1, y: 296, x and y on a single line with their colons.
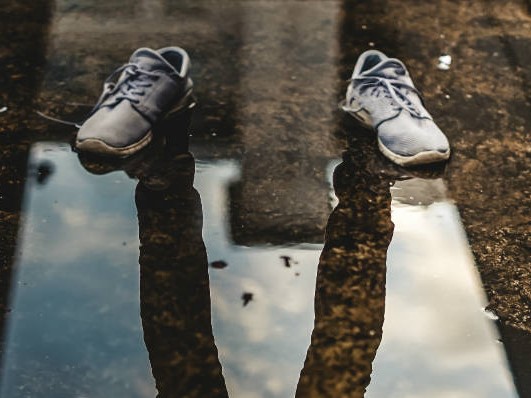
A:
x: 184, y: 59
x: 375, y: 59
x: 161, y: 60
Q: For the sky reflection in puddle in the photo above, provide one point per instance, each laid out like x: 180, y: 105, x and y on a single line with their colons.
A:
x: 75, y: 328
x: 262, y: 346
x: 437, y: 339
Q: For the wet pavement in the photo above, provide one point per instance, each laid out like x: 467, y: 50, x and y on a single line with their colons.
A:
x: 284, y: 256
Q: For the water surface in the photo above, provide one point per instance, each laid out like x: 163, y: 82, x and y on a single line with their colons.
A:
x: 104, y: 287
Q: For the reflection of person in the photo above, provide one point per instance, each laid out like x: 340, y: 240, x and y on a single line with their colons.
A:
x: 174, y: 284
x: 175, y: 301
x: 350, y: 291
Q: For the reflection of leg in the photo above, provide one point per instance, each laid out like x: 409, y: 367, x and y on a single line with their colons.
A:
x: 350, y: 293
x: 174, y: 290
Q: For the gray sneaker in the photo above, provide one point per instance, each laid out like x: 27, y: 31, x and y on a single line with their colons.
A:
x: 382, y: 96
x: 150, y: 87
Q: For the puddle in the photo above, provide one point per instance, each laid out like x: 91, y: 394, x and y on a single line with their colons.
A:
x: 74, y: 328
x: 437, y: 339
x: 262, y: 345
x: 96, y: 312
x: 84, y: 321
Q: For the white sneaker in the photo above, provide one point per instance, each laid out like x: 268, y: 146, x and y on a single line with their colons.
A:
x: 382, y: 97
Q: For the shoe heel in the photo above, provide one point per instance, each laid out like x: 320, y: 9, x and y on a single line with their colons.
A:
x: 174, y: 127
x: 188, y: 102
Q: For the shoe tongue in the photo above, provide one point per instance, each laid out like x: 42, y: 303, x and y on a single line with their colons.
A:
x: 391, y: 69
x: 151, y: 60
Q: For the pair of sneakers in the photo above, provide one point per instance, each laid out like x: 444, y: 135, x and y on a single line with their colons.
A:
x: 156, y: 83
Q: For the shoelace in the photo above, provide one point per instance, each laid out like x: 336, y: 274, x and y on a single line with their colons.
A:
x: 391, y: 89
x: 124, y: 89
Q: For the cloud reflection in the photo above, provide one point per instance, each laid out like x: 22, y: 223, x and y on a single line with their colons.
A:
x: 75, y: 328
x: 436, y: 342
x: 262, y: 345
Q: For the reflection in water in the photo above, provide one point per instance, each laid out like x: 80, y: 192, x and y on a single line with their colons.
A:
x: 350, y: 292
x: 43, y: 172
x: 174, y: 288
x: 262, y: 344
x: 75, y: 329
x: 437, y: 339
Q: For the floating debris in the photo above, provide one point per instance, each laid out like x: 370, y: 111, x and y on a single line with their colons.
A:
x: 44, y: 171
x: 247, y: 297
x: 218, y: 264
x: 3, y: 109
x: 287, y: 261
x: 445, y: 61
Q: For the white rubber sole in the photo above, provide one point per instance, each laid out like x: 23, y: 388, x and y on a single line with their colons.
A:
x: 421, y: 158
x: 97, y: 146
x: 425, y: 157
